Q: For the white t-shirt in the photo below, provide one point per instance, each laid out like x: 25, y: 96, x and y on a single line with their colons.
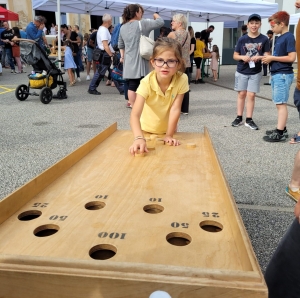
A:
x: 45, y: 30
x: 103, y: 34
x: 52, y: 31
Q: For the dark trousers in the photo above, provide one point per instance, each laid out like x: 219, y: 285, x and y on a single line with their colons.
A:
x: 101, y: 69
x: 283, y: 272
x: 76, y: 60
x: 186, y: 99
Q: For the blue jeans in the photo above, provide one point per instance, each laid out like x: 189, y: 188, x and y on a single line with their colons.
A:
x: 102, y: 67
x: 10, y: 59
x: 281, y: 84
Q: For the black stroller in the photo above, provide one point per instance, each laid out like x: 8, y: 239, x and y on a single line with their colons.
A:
x: 45, y: 75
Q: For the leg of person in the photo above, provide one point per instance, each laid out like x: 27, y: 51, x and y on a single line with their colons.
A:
x: 94, y: 83
x: 252, y: 88
x: 10, y: 59
x: 186, y: 100
x: 293, y: 189
x: 297, y: 88
x: 200, y: 80
x: 81, y: 68
x: 18, y: 60
x: 133, y: 84
x: 240, y: 85
x: 89, y: 63
x: 76, y: 60
x: 3, y: 58
x: 283, y: 271
x: 203, y: 68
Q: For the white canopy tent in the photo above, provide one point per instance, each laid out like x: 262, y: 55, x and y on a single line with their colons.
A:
x: 196, y: 10
x: 199, y: 11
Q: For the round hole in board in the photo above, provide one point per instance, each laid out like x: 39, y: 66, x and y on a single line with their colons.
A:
x: 153, y: 208
x: 46, y: 230
x: 102, y: 252
x: 160, y: 294
x: 211, y: 226
x: 95, y: 205
x: 29, y: 215
x: 179, y: 239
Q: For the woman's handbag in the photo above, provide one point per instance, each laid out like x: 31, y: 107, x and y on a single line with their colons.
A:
x: 16, y: 50
x: 146, y: 45
x: 117, y: 73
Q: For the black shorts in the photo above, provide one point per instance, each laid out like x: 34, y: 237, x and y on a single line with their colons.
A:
x: 198, y: 61
x: 133, y: 84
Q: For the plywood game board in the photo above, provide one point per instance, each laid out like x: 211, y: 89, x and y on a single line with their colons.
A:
x: 101, y: 223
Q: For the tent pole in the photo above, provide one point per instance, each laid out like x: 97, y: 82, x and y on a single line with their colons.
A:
x: 59, y: 33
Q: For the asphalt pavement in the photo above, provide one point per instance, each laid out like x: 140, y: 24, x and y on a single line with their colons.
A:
x: 35, y: 135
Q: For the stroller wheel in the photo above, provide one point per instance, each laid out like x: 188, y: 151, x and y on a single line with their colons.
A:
x: 46, y: 95
x: 21, y: 92
x: 62, y: 94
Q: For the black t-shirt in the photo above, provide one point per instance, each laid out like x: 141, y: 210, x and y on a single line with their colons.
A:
x: 251, y: 47
x: 7, y: 34
x: 205, y: 35
x: 193, y: 41
x: 93, y: 38
x: 73, y: 37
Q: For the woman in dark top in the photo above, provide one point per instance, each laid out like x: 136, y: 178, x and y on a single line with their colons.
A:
x: 192, y: 49
x: 75, y: 40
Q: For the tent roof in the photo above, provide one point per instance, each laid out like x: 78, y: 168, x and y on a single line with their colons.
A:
x: 199, y: 11
x: 7, y: 15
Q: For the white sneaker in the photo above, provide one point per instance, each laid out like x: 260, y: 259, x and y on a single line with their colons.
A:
x: 88, y: 78
x: 78, y: 79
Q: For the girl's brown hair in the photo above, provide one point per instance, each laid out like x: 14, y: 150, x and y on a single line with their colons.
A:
x: 163, y: 44
x: 216, y: 50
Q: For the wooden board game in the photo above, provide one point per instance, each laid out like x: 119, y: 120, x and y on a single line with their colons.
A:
x: 101, y: 223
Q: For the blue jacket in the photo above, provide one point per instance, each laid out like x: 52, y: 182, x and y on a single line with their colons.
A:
x: 34, y: 33
x: 1, y: 42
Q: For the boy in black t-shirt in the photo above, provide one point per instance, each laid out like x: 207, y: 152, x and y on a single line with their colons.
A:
x: 248, y: 52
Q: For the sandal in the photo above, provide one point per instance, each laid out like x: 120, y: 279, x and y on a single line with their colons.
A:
x: 295, y: 139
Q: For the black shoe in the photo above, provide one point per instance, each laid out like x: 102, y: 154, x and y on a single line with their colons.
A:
x: 201, y: 81
x: 251, y: 124
x: 275, y: 137
x: 237, y: 122
x: 94, y: 92
x: 269, y: 132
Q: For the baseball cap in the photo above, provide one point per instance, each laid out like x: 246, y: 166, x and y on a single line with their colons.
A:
x: 254, y: 16
x: 270, y: 32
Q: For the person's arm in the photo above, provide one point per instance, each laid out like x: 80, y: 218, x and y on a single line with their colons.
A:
x: 173, y: 121
x: 290, y: 58
x: 122, y: 52
x: 238, y: 57
x: 139, y: 142
x: 192, y: 49
x: 31, y: 34
x: 107, y: 48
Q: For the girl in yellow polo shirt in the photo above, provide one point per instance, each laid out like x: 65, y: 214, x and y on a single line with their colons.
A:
x: 159, y: 96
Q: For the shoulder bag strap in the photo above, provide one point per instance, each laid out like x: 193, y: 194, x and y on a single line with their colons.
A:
x: 140, y: 25
x: 185, y: 39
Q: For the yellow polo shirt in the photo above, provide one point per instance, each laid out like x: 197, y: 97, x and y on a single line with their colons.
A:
x: 155, y: 114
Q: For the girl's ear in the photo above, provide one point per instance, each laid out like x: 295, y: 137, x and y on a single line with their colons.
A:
x: 152, y: 63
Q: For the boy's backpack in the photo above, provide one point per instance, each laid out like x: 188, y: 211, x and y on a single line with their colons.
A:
x: 115, y: 37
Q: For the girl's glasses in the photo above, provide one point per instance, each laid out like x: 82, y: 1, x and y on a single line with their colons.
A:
x: 161, y: 63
